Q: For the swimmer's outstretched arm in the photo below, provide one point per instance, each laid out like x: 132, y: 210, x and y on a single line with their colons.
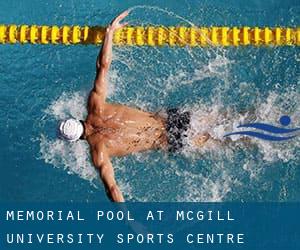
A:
x: 105, y: 56
x: 103, y: 164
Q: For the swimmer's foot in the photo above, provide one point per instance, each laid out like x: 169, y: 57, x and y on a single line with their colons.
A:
x: 200, y: 140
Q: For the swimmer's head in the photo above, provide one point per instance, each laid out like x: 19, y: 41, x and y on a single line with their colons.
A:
x: 70, y: 129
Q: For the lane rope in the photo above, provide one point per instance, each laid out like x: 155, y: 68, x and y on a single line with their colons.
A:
x: 152, y: 35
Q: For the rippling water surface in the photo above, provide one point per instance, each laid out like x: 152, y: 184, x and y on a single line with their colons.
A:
x: 42, y: 84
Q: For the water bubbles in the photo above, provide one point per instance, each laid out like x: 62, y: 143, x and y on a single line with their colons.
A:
x: 221, y: 88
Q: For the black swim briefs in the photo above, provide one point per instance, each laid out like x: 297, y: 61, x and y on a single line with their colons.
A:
x: 177, y: 124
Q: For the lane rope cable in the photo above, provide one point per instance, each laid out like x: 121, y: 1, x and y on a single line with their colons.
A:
x: 152, y: 35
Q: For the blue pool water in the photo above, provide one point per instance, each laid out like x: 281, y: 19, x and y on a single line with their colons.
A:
x: 42, y: 84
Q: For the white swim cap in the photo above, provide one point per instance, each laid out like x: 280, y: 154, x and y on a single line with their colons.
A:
x: 70, y: 130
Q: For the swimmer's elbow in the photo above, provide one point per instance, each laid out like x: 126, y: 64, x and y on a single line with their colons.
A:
x: 105, y: 63
x: 99, y: 163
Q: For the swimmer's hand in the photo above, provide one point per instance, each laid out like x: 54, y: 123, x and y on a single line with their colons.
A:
x: 115, y: 24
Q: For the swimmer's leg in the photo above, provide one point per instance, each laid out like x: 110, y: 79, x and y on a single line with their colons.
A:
x: 200, y: 140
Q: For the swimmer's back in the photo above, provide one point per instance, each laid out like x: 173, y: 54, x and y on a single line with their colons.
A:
x: 126, y: 130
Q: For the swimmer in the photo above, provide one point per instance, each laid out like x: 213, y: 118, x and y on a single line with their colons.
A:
x: 114, y: 130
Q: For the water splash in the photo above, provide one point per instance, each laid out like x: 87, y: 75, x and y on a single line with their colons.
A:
x: 192, y: 185
x: 210, y: 84
x: 74, y: 158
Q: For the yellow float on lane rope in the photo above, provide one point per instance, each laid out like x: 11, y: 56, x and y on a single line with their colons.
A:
x: 152, y: 35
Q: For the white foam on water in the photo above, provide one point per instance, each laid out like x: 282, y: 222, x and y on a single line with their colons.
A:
x: 200, y: 188
x: 72, y: 157
x: 216, y: 68
x: 68, y: 105
x: 213, y: 117
x: 218, y: 120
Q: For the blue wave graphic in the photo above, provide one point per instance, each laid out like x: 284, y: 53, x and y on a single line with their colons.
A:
x: 262, y: 136
x: 284, y: 121
x: 269, y: 128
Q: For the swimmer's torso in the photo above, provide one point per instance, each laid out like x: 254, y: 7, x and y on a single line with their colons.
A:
x: 124, y: 130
